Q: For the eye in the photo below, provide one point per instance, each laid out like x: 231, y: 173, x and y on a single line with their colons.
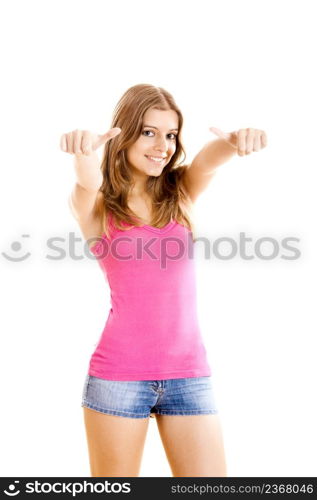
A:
x: 145, y: 132
x: 173, y: 135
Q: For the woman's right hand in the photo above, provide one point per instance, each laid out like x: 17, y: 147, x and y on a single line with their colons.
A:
x: 84, y: 142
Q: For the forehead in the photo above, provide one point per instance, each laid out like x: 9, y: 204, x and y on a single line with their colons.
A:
x: 161, y: 119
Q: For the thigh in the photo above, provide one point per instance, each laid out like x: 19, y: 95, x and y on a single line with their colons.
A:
x: 115, y: 443
x: 116, y: 420
x: 193, y: 444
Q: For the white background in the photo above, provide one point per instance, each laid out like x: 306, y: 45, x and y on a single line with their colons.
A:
x: 228, y: 64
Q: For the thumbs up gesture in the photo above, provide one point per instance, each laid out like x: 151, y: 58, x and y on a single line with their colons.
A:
x: 85, y: 142
x: 245, y: 140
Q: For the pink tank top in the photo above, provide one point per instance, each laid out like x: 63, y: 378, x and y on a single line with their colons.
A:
x: 152, y: 330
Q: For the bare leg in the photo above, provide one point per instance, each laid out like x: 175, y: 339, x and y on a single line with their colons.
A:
x: 115, y: 444
x: 193, y: 444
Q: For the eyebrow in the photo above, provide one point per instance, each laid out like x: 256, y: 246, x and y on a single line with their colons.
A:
x: 151, y: 126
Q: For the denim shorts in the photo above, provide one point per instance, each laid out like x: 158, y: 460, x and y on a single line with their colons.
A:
x: 142, y: 398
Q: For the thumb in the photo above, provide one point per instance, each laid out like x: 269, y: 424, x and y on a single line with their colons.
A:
x: 220, y: 133
x: 102, y: 139
x: 230, y: 137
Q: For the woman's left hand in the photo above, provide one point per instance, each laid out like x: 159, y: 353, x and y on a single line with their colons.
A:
x: 245, y: 140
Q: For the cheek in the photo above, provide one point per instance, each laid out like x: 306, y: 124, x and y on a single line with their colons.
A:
x: 138, y: 147
x: 132, y: 152
x: 172, y: 149
x: 133, y: 155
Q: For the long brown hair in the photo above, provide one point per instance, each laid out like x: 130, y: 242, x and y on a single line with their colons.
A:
x: 167, y: 191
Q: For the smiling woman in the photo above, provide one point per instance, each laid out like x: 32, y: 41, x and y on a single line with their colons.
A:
x: 150, y: 358
x: 142, y: 167
x: 157, y: 148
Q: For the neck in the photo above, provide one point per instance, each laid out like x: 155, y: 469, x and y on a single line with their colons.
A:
x: 138, y: 186
x: 138, y: 190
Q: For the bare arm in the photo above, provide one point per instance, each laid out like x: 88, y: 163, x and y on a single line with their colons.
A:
x: 204, y: 165
x: 88, y: 173
x: 83, y: 144
x: 215, y: 153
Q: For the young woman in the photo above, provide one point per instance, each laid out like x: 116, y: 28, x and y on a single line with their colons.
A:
x: 134, y: 211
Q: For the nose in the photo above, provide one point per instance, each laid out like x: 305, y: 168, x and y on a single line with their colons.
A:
x: 161, y: 144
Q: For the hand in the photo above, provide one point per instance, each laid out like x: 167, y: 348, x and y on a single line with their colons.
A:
x: 244, y: 140
x: 84, y: 142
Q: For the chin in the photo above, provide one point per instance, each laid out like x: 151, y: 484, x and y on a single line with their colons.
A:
x: 157, y: 173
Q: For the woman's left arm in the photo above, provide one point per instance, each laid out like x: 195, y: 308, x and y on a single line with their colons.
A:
x: 215, y: 153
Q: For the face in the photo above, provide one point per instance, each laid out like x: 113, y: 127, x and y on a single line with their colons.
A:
x: 157, y: 139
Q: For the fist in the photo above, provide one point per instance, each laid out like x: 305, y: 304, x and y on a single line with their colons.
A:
x: 245, y: 140
x: 84, y: 142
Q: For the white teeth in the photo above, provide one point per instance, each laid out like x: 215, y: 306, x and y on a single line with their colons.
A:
x: 153, y: 158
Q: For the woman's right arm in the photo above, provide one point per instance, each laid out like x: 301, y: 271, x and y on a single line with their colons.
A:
x: 83, y: 145
x: 87, y: 170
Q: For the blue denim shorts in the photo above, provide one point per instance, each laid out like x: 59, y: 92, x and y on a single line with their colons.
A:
x: 142, y: 398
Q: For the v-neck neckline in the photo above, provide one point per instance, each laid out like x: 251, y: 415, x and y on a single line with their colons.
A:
x: 159, y: 229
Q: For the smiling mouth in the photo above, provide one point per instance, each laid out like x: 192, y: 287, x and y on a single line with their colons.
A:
x: 157, y: 161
